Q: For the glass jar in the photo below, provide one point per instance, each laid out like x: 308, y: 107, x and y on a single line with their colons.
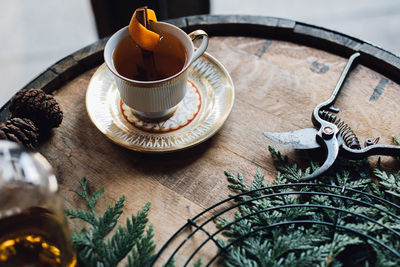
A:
x: 33, y: 229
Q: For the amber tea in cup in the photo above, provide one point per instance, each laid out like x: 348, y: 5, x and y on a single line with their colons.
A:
x: 169, y: 58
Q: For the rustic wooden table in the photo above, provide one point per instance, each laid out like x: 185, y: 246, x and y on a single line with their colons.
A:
x: 281, y: 70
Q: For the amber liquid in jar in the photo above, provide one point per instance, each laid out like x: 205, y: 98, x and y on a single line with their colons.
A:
x: 35, y: 237
x: 169, y: 59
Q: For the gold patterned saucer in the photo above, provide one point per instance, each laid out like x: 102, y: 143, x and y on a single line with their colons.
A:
x: 205, y: 107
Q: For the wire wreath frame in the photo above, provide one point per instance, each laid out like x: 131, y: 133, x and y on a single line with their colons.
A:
x: 194, y: 239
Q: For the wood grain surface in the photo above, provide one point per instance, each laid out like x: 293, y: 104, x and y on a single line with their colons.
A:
x: 277, y: 82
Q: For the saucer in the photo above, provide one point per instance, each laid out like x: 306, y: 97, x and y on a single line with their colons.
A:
x: 202, y: 112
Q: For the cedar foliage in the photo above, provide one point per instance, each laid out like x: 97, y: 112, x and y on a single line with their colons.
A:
x: 262, y: 232
x: 264, y: 235
x: 132, y: 242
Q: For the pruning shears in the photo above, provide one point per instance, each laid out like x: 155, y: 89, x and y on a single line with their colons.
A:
x: 331, y: 134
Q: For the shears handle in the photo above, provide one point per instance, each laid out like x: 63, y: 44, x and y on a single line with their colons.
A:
x: 373, y: 150
x: 328, y: 104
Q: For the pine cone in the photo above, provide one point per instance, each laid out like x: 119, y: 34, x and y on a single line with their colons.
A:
x: 37, y: 106
x: 22, y: 131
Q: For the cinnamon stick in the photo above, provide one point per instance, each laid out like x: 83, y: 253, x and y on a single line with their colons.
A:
x: 150, y: 71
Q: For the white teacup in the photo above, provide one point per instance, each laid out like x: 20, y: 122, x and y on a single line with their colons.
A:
x: 156, y: 99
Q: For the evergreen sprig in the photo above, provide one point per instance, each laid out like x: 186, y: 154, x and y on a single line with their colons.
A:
x: 312, y: 244
x: 133, y: 239
x: 291, y: 245
x: 389, y: 183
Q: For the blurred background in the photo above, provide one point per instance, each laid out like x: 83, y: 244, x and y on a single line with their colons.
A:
x: 35, y: 34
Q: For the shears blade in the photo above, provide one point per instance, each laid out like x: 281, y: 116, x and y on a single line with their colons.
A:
x: 299, y: 139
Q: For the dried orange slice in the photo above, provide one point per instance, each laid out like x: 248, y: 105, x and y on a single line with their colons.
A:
x: 144, y: 37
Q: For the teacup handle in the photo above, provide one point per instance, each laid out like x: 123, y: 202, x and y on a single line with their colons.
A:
x: 199, y: 51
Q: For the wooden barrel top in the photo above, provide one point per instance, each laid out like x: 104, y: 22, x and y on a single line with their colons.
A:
x: 281, y: 70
